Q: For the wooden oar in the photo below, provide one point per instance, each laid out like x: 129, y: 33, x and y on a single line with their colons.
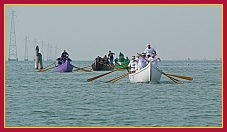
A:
x: 182, y: 77
x: 118, y: 78
x: 42, y: 70
x: 82, y: 69
x: 49, y: 65
x: 173, y: 79
x: 46, y: 66
x: 96, y: 77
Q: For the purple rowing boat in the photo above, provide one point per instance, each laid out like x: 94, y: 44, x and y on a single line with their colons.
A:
x: 66, y: 67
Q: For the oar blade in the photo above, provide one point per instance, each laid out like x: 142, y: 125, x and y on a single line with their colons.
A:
x: 86, y: 70
x: 173, y: 79
x: 182, y: 77
x: 43, y: 70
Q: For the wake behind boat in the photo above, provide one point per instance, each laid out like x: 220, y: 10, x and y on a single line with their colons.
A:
x: 147, y: 74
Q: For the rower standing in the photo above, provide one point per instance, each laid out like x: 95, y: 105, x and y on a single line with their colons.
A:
x: 149, y: 50
x: 63, y: 58
x: 110, y: 55
x: 64, y: 54
x: 121, y: 58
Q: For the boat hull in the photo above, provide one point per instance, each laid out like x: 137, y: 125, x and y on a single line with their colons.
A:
x: 66, y: 67
x: 123, y: 66
x: 147, y: 74
x: 96, y: 66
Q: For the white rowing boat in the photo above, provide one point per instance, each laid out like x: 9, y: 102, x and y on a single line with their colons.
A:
x: 149, y: 73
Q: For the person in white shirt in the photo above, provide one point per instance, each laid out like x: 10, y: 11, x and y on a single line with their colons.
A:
x: 149, y: 50
x: 154, y: 59
x: 142, y: 61
x: 133, y: 64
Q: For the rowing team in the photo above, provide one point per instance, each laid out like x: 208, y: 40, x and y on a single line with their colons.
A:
x: 64, y: 57
x: 141, y: 60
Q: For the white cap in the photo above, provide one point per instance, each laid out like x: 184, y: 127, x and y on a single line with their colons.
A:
x: 148, y: 44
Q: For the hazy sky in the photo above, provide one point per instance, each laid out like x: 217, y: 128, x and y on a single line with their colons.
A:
x: 176, y: 32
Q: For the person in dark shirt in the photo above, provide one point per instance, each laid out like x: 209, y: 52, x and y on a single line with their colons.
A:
x: 110, y: 55
x: 59, y: 60
x: 64, y: 54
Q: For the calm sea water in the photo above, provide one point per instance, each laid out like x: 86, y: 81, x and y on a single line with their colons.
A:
x: 67, y: 99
